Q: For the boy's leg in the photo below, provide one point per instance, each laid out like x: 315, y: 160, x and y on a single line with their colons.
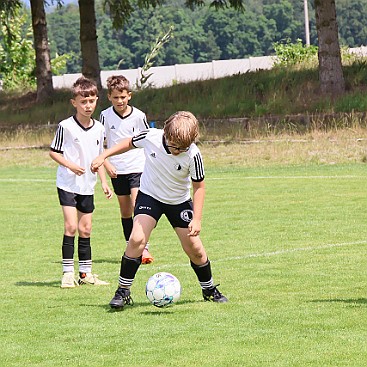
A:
x: 200, y: 263
x: 126, y: 203
x: 131, y: 260
x: 85, y: 251
x: 70, y: 225
x: 126, y: 210
x: 147, y: 258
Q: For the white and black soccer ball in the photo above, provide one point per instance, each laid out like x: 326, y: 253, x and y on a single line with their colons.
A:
x: 163, y: 289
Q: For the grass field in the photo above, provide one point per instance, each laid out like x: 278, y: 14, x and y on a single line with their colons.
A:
x: 287, y: 243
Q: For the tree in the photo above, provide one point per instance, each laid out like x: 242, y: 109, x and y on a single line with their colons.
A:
x: 17, y: 54
x: 39, y: 26
x: 43, y: 61
x: 88, y: 41
x: 330, y: 64
x: 120, y: 11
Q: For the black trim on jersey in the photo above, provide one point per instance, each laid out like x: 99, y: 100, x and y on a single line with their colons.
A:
x: 165, y: 145
x: 138, y: 137
x: 146, y: 122
x: 56, y: 151
x: 102, y: 118
x: 81, y: 126
x: 199, y: 169
x: 59, y: 138
x: 123, y: 117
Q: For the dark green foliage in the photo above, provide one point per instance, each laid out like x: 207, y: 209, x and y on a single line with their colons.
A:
x: 200, y: 35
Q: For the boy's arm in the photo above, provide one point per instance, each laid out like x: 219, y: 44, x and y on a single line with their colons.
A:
x: 198, y: 204
x: 122, y: 147
x: 110, y: 168
x: 59, y: 158
x: 106, y: 189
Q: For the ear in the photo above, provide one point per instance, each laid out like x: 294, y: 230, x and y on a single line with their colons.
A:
x: 73, y: 102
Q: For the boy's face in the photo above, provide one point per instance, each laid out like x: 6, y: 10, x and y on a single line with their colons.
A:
x: 119, y: 100
x: 175, y: 149
x: 84, y: 106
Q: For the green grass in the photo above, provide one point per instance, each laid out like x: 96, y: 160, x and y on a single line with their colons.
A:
x: 287, y: 244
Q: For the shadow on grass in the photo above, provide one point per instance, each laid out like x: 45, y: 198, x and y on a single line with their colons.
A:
x: 109, y: 261
x: 155, y: 311
x: 99, y: 261
x: 55, y: 283
x: 351, y: 301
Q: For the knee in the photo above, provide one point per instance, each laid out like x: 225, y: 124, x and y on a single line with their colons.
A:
x: 70, y: 229
x: 85, y: 231
x: 137, y: 239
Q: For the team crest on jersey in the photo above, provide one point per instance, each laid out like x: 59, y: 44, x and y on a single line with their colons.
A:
x: 113, y: 127
x: 186, y: 215
x: 178, y: 167
x: 152, y: 155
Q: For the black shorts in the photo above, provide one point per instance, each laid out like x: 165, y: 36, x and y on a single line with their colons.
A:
x: 123, y: 184
x: 179, y: 215
x: 84, y: 203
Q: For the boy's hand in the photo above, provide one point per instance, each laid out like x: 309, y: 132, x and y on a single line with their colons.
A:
x: 107, y: 191
x: 194, y: 227
x: 96, y: 164
x: 76, y: 169
x: 111, y: 170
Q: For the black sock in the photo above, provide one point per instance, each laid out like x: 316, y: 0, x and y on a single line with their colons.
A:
x: 127, y: 226
x: 129, y: 267
x: 85, y: 256
x: 68, y: 247
x: 204, y: 274
x: 67, y: 250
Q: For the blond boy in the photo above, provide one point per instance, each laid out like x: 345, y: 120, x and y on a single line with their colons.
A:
x: 173, y: 164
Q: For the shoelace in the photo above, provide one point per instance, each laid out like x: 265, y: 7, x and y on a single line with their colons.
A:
x: 127, y: 298
x: 216, y: 293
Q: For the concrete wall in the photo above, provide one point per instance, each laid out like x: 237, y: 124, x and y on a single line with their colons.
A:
x: 165, y: 76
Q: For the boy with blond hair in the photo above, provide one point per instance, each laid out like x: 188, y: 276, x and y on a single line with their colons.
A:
x: 77, y: 141
x: 173, y: 160
x: 121, y: 121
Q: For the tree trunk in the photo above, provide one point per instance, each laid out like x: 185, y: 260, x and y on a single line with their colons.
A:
x: 330, y: 64
x: 43, y: 61
x: 88, y: 41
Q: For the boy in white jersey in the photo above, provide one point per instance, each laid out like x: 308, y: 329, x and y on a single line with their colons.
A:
x: 77, y: 141
x: 173, y: 163
x: 121, y: 121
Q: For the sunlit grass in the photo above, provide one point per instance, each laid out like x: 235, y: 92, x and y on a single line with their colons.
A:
x: 287, y: 245
x: 337, y: 146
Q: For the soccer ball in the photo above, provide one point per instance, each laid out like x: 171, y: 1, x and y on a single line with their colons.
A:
x: 163, y: 289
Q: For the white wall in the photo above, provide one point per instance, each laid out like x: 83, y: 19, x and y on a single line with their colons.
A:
x: 165, y: 76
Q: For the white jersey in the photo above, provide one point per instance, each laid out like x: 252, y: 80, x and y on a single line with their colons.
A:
x: 118, y: 128
x: 79, y: 145
x: 166, y: 177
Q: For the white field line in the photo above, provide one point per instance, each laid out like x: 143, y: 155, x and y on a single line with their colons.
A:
x: 284, y: 177
x: 27, y: 180
x: 229, y: 176
x: 267, y: 254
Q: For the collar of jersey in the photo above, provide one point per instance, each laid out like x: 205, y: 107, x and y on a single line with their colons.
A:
x: 81, y: 126
x: 165, y: 145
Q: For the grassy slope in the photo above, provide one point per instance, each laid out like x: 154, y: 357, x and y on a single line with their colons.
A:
x: 278, y: 92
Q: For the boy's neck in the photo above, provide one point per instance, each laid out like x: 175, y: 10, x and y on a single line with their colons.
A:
x: 125, y: 112
x: 85, y: 121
